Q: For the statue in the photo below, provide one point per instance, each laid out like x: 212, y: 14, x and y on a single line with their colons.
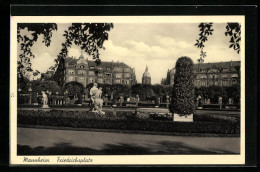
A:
x: 96, y: 99
x: 44, y: 100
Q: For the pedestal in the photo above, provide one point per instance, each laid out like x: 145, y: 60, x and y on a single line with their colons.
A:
x: 178, y: 118
x: 45, y: 106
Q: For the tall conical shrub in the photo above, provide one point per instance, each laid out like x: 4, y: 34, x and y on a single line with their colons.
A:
x: 183, y: 89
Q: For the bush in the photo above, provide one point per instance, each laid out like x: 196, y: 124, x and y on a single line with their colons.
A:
x: 127, y: 121
x: 183, y: 89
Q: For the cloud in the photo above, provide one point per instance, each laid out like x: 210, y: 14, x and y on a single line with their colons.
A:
x: 74, y: 51
x: 159, y: 57
x: 42, y: 62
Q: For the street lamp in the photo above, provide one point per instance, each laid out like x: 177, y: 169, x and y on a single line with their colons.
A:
x: 30, y: 97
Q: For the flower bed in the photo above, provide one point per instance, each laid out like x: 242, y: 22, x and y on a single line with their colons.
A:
x: 127, y: 121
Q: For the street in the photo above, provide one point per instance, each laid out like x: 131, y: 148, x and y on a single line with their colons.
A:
x: 67, y: 142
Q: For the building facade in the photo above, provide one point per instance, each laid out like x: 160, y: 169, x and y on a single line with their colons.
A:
x: 214, y: 74
x: 85, y: 72
x: 146, y: 79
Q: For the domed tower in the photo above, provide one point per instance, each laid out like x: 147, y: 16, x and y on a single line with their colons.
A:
x: 146, y: 77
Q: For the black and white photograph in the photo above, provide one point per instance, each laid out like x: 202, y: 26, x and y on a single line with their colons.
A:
x: 127, y: 90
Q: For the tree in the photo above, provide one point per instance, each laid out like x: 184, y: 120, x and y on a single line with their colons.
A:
x: 26, y: 43
x: 39, y: 86
x: 89, y: 36
x: 74, y: 88
x: 167, y: 80
x: 232, y: 29
x: 183, y: 89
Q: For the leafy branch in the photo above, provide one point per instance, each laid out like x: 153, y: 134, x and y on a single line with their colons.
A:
x: 234, y: 31
x: 89, y: 36
x: 26, y: 43
x: 205, y: 31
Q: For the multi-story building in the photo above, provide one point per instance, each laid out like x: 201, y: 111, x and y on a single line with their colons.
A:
x: 214, y: 74
x: 146, y: 79
x: 85, y: 72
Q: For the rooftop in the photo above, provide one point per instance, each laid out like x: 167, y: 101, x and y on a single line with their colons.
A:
x: 217, y: 64
x: 112, y: 64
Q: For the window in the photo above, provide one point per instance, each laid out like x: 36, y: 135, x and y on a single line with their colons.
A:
x: 203, y: 77
x: 108, y: 68
x: 127, y: 82
x: 81, y: 72
x: 108, y: 81
x: 91, y: 73
x: 234, y: 75
x: 91, y: 80
x: 71, y: 72
x: 91, y: 67
x: 100, y: 80
x: 108, y: 74
x: 214, y: 76
x: 82, y: 66
x: 225, y: 83
x: 224, y: 76
x: 100, y: 74
x: 100, y: 68
x: 117, y: 81
x: 127, y: 70
x: 225, y: 70
x: 127, y: 75
x: 118, y: 75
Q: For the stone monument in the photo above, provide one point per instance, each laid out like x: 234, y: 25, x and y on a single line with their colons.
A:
x: 44, y: 100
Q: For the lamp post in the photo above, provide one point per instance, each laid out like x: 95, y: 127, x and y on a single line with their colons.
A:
x: 30, y: 97
x: 199, y: 106
x: 220, y: 102
x: 57, y: 100
x: 66, y: 96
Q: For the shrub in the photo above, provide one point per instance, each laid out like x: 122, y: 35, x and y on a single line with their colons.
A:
x: 127, y: 121
x: 183, y: 89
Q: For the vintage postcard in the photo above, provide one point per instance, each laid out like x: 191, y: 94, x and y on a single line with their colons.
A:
x: 127, y: 90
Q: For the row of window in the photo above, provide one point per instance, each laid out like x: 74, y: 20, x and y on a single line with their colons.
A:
x: 101, y: 68
x: 214, y: 76
x: 217, y: 83
x: 99, y: 80
x: 214, y: 70
x: 92, y: 73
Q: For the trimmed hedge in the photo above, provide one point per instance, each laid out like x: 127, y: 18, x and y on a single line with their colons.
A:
x: 183, y: 89
x: 127, y: 121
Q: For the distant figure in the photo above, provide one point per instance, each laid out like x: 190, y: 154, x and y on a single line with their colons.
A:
x: 92, y: 93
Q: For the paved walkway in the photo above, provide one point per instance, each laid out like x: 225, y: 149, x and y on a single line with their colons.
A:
x: 33, y: 141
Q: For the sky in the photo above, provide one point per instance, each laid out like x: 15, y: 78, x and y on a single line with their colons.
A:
x: 153, y: 44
